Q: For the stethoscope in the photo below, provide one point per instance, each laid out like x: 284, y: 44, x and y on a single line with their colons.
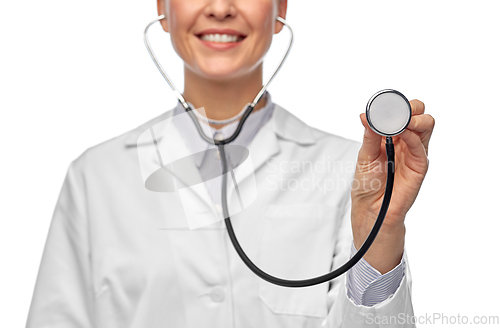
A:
x: 388, y: 113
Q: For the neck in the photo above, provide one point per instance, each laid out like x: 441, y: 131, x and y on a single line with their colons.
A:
x: 222, y: 99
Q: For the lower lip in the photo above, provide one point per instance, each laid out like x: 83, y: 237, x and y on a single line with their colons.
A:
x: 220, y: 45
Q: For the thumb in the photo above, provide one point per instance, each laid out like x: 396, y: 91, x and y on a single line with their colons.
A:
x: 370, y: 148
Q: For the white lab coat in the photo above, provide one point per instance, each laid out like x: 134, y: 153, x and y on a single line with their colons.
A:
x: 118, y: 255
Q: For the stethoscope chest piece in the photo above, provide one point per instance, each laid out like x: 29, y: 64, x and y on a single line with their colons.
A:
x: 388, y: 112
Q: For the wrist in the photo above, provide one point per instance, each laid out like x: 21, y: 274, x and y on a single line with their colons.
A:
x: 390, y: 228
x: 387, y: 250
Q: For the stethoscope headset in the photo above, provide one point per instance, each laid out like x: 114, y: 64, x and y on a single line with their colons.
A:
x: 388, y: 113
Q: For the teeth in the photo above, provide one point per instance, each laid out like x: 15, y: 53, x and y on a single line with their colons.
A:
x: 221, y: 38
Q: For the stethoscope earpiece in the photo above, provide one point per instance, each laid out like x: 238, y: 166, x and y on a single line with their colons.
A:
x: 388, y: 112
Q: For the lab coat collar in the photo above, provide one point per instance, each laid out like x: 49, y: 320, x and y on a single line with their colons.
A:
x: 283, y: 123
x: 289, y: 127
x: 265, y: 144
x: 253, y: 124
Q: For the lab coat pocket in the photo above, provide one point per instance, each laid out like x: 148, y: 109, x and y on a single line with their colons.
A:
x: 298, y: 243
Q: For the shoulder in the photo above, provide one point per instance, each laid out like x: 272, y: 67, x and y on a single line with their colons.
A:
x: 118, y: 149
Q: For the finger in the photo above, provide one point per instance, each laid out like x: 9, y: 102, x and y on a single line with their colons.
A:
x: 414, y: 144
x: 417, y: 107
x: 421, y: 123
x: 370, y: 148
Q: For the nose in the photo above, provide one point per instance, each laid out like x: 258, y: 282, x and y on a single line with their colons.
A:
x: 221, y: 9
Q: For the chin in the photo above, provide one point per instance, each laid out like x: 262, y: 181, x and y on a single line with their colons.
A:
x: 221, y: 71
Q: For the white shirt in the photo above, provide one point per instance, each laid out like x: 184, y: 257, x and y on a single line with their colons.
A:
x: 119, y: 255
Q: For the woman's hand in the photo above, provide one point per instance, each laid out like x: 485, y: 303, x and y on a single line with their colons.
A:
x: 411, y: 150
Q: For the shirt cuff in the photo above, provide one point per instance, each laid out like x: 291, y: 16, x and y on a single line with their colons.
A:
x: 367, y: 286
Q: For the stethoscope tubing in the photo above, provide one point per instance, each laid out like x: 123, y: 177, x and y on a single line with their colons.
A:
x: 333, y: 274
x: 221, y: 143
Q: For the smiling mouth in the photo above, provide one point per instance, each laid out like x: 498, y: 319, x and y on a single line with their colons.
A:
x: 221, y: 38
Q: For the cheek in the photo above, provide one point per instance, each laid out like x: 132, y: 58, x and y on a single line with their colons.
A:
x: 260, y: 15
x: 181, y: 17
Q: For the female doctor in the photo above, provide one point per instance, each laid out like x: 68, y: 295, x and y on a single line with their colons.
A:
x: 120, y: 255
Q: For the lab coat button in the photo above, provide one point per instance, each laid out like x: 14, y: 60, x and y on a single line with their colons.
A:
x: 217, y: 294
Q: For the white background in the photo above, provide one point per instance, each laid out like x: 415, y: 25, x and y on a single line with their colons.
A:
x: 76, y: 73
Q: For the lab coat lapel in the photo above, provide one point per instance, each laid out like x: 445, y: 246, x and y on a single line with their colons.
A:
x: 282, y: 125
x: 171, y: 147
x: 263, y: 146
x: 178, y: 147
